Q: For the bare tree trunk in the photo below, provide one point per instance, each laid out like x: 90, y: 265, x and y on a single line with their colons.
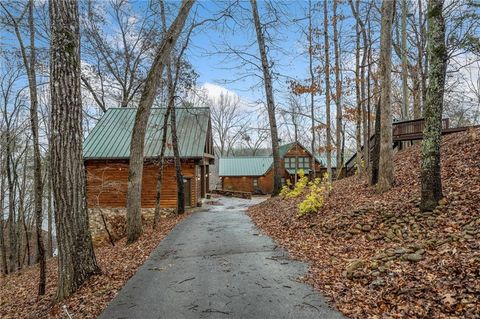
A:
x: 267, y: 79
x: 369, y: 101
x: 137, y: 144
x: 375, y: 158
x: 161, y: 156
x: 3, y: 249
x: 76, y: 259
x: 29, y: 65
x: 338, y: 90
x: 385, y: 173
x: 416, y: 94
x: 27, y: 244
x: 422, y: 64
x: 49, y: 214
x: 11, y: 222
x: 327, y: 90
x: 312, y: 83
x: 432, y: 133
x: 22, y: 230
x: 366, y: 137
x: 172, y: 84
x: 358, y: 114
x: 362, y: 122
x: 37, y: 160
x: 161, y: 159
x: 178, y: 164
x: 404, y: 54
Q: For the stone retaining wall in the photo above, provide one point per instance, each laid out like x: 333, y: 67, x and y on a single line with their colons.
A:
x: 116, y: 221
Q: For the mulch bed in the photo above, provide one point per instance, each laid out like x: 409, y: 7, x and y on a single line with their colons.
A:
x: 376, y: 255
x: 18, y: 291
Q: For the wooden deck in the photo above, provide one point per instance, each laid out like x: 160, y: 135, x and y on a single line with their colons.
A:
x: 412, y: 130
x: 406, y: 131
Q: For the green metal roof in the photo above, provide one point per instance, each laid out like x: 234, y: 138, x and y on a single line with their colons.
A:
x: 322, y: 158
x: 245, y: 166
x: 283, y: 149
x: 110, y: 138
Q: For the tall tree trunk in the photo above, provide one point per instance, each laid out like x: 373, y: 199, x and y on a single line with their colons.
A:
x: 3, y: 249
x: 358, y: 113
x: 11, y: 222
x: 22, y: 230
x: 312, y: 83
x: 375, y: 158
x: 366, y: 137
x: 161, y: 156
x: 416, y: 94
x: 385, y: 173
x: 422, y: 62
x: 404, y: 54
x: 37, y: 160
x: 432, y: 133
x: 327, y: 90
x: 360, y: 87
x: 267, y: 79
x: 76, y: 259
x: 176, y: 155
x: 161, y: 159
x: 338, y: 91
x: 137, y: 144
x: 369, y: 98
x: 49, y: 214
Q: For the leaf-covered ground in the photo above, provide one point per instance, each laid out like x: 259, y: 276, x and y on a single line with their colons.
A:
x: 18, y: 297
x: 376, y: 256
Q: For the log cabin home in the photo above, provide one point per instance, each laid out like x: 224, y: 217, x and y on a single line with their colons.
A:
x: 254, y: 174
x: 107, y: 150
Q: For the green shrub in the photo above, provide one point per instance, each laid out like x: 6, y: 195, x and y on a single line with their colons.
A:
x: 319, y: 189
x: 299, y: 187
x: 285, y: 189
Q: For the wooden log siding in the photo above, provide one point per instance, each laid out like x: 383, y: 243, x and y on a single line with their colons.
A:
x: 245, y: 183
x: 107, y: 184
x: 238, y: 183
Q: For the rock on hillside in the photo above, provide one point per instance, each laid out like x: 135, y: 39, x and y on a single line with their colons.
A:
x: 376, y: 255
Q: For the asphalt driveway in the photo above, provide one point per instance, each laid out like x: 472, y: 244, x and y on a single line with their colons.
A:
x: 216, y: 264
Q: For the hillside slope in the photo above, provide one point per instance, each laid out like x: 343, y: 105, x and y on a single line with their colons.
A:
x: 376, y: 256
x: 18, y: 291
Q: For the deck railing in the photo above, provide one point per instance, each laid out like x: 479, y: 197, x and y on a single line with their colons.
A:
x: 402, y: 131
x: 413, y: 127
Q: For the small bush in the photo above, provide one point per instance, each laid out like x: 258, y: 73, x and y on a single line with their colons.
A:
x: 299, y: 187
x: 285, y: 189
x: 319, y: 189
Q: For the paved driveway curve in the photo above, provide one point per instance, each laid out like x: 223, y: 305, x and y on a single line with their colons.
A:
x: 216, y: 264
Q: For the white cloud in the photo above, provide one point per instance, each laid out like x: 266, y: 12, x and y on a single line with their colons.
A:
x: 214, y: 90
x: 211, y: 91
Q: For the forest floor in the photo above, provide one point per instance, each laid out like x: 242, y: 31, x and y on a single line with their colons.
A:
x: 376, y: 255
x: 18, y: 297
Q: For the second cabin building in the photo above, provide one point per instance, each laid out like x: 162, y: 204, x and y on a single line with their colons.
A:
x: 254, y: 174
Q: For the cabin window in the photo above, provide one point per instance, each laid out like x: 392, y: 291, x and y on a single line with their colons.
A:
x: 255, y: 182
x: 303, y: 162
x: 283, y: 180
